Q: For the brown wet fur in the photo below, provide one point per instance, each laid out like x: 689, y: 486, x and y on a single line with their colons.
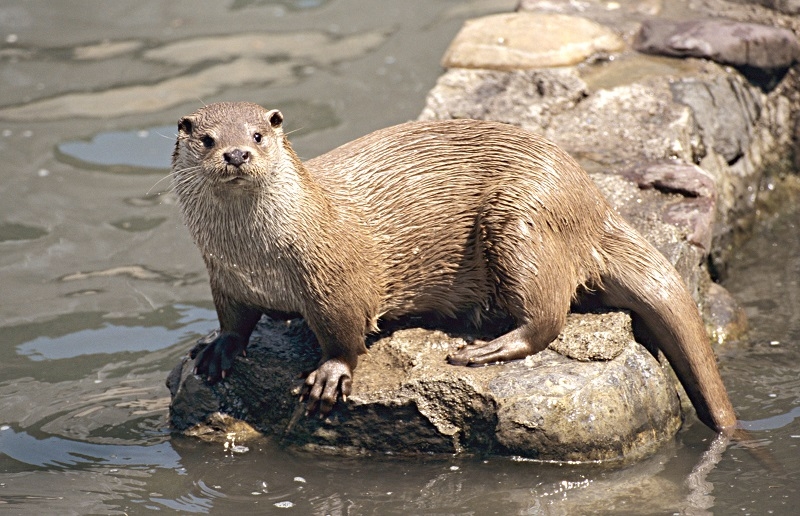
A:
x: 452, y: 217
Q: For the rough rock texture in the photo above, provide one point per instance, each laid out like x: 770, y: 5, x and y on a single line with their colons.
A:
x: 693, y: 210
x: 528, y: 98
x: 725, y: 110
x: 408, y: 400
x: 679, y: 146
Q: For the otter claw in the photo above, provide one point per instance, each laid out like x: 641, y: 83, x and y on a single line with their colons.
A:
x: 322, y: 388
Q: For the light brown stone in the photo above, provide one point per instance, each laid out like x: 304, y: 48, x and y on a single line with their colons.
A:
x: 614, y: 402
x: 528, y: 40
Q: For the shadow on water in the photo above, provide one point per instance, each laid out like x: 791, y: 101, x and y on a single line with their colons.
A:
x: 108, y: 291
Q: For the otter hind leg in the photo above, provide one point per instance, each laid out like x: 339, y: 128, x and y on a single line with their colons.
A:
x: 516, y: 344
x: 541, y: 315
x: 533, y: 282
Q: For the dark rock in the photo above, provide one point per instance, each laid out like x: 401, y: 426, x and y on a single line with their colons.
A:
x: 697, y: 215
x: 674, y: 177
x: 723, y: 41
x: 725, y: 109
x: 196, y: 402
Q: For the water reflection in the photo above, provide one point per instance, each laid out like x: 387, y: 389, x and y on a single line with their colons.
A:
x: 128, y: 152
x: 60, y: 453
x: 774, y: 422
x: 11, y: 231
x: 186, y: 503
x: 132, y: 335
x: 199, y: 68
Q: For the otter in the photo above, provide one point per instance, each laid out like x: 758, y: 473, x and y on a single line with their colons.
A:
x: 452, y: 217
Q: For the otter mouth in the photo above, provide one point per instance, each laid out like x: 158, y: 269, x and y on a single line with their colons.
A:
x: 236, y: 180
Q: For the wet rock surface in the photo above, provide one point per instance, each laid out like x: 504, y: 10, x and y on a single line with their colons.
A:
x: 679, y: 147
x: 596, y: 395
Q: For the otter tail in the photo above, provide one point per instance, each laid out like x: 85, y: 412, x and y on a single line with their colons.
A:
x: 639, y: 278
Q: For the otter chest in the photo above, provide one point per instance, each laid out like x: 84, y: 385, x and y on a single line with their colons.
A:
x: 264, y: 285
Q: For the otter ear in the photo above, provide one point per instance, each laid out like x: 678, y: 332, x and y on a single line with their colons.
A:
x: 186, y: 125
x: 275, y: 118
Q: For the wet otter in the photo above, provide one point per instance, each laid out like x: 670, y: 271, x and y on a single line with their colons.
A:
x: 451, y: 217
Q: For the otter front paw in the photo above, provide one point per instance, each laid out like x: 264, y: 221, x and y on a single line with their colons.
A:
x: 323, y: 386
x: 215, y: 359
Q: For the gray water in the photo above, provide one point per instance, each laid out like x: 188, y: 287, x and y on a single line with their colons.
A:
x: 103, y: 290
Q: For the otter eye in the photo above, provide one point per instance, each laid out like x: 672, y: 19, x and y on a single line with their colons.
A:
x: 208, y: 141
x: 257, y: 137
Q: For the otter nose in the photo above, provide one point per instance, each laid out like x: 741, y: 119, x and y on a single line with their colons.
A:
x: 236, y: 157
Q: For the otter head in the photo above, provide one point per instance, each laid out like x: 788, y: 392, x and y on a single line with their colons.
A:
x: 229, y: 144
